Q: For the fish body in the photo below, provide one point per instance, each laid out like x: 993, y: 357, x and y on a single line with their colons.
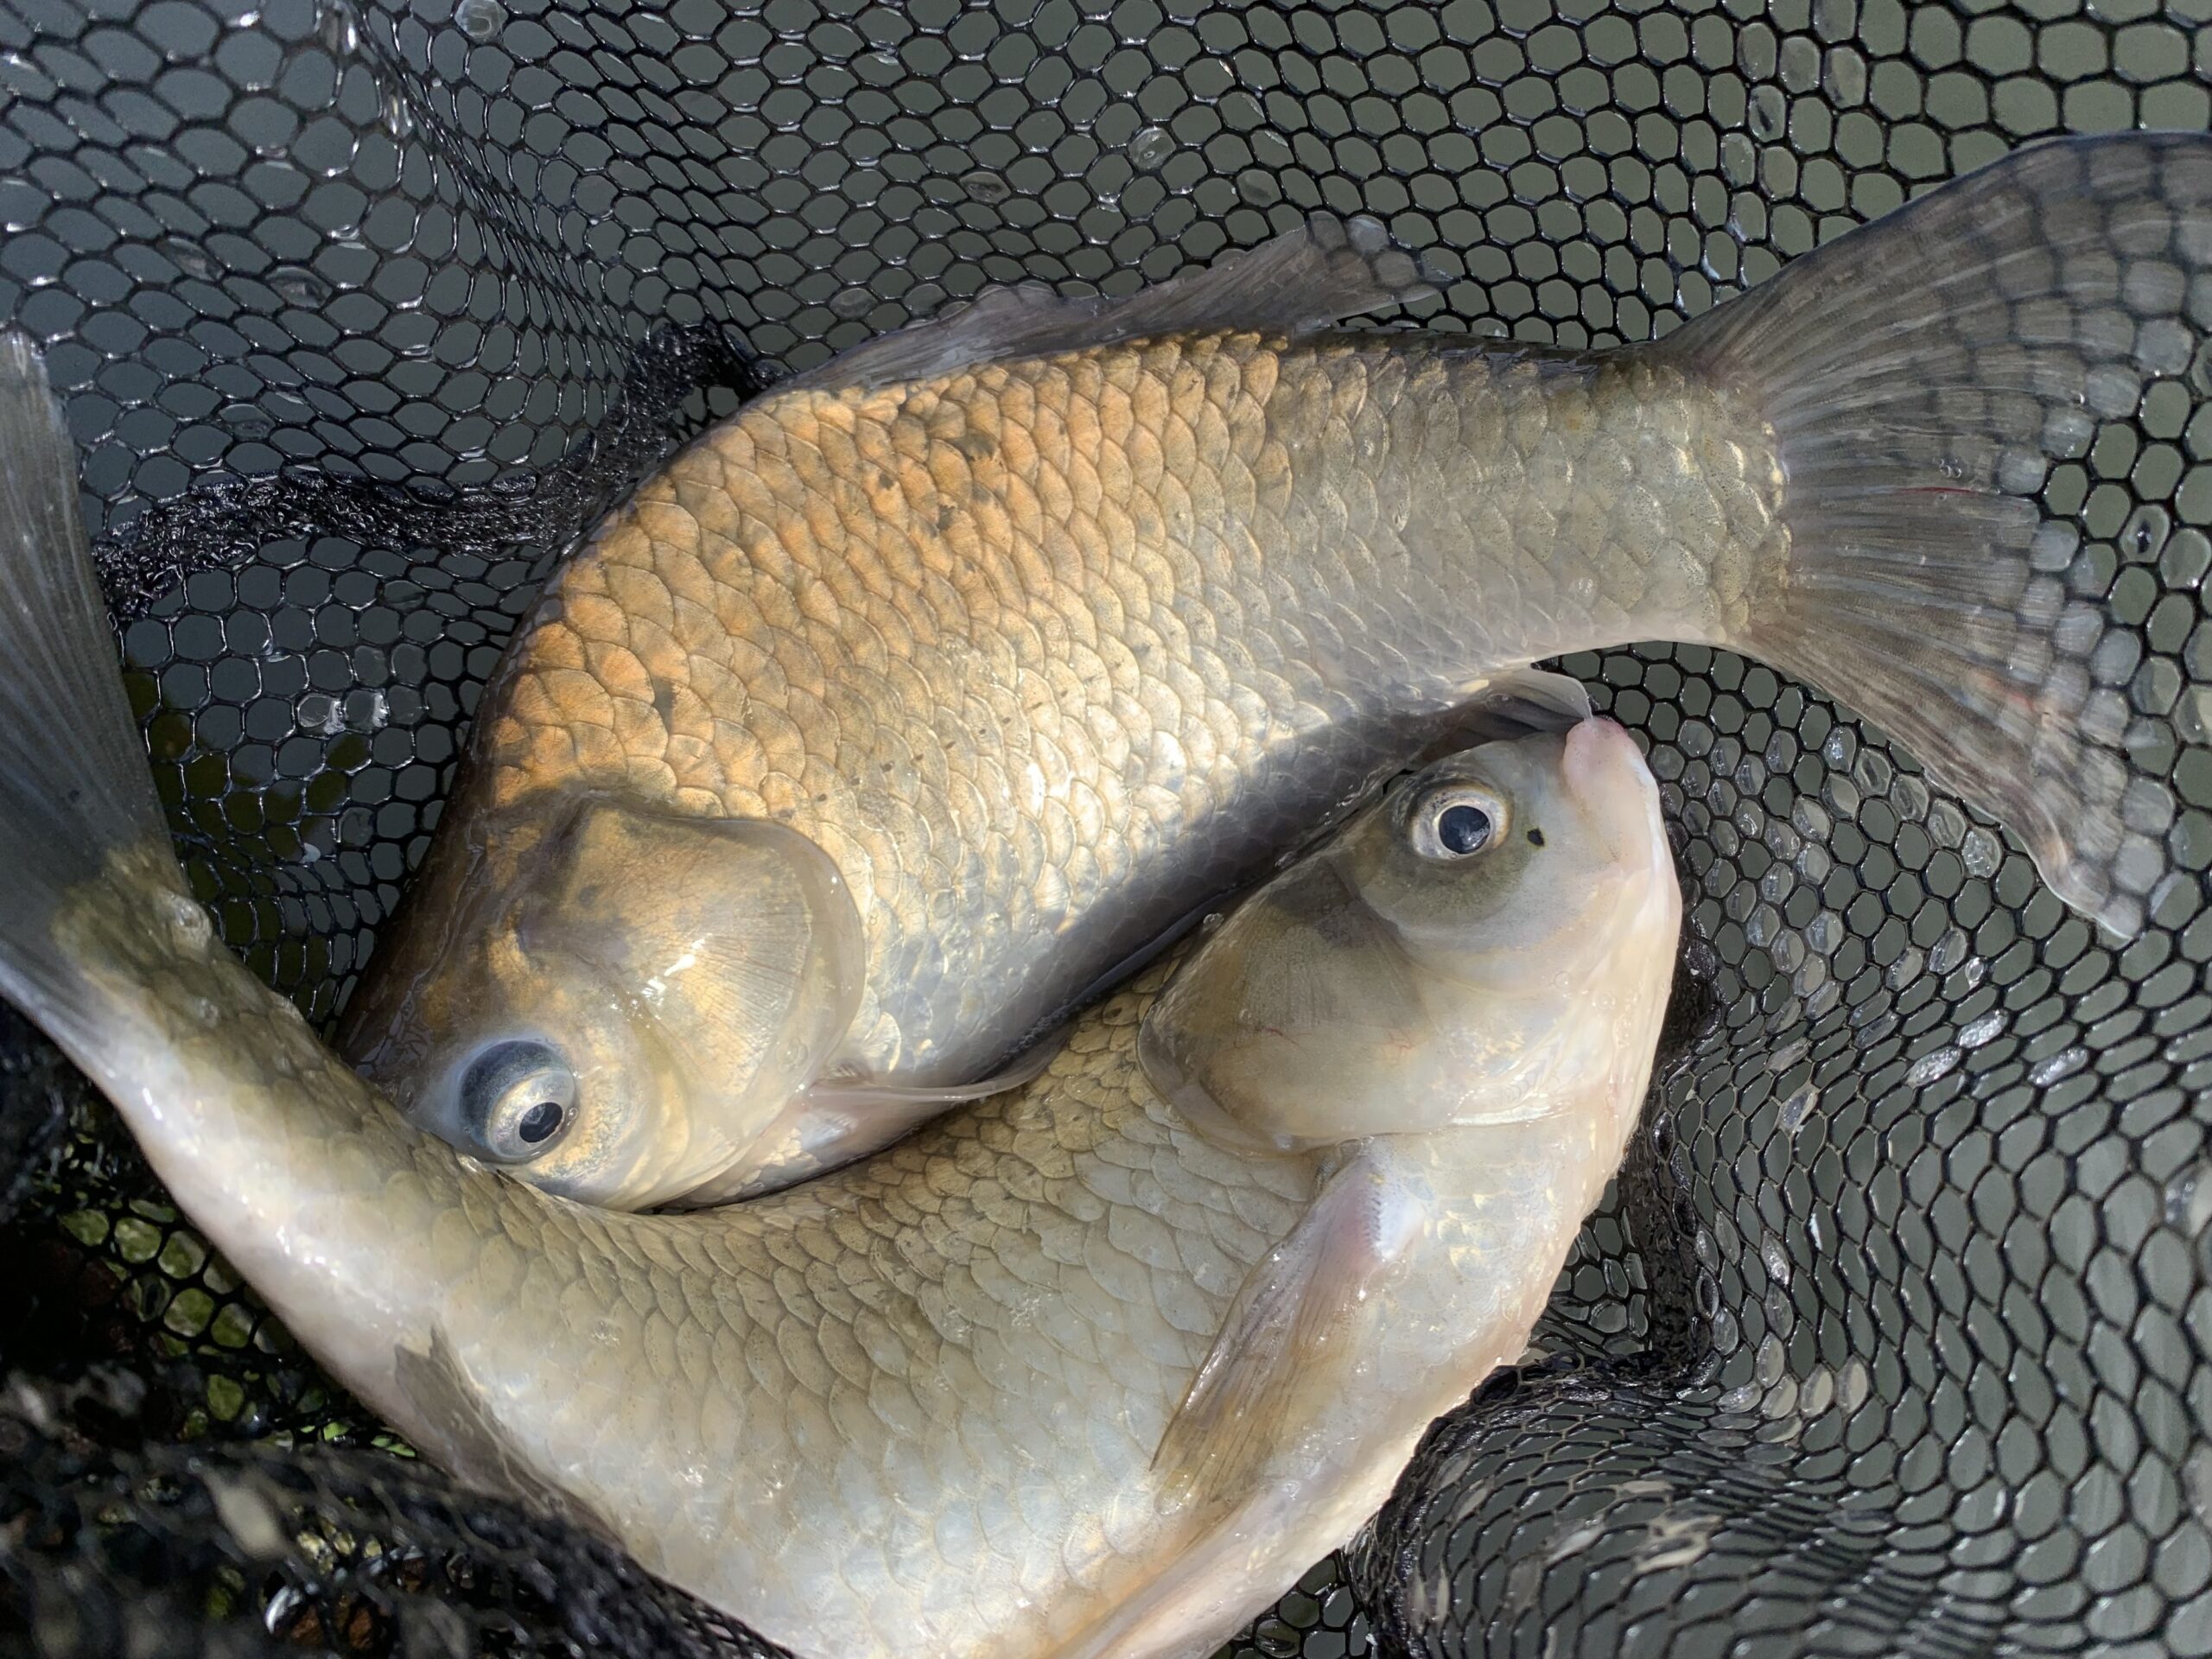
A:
x: 1078, y: 1370
x: 838, y: 614
x: 908, y: 1408
x: 1045, y: 627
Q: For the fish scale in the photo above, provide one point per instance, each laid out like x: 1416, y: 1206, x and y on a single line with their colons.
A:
x: 1000, y: 736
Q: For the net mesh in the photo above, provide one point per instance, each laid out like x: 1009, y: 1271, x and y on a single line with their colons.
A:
x: 1892, y: 1337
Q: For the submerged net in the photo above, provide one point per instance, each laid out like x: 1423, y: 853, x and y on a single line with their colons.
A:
x: 1894, y: 1336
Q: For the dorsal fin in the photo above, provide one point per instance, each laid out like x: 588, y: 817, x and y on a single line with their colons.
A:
x: 1311, y: 278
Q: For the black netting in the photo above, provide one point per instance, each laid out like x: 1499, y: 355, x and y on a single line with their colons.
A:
x: 1895, y: 1337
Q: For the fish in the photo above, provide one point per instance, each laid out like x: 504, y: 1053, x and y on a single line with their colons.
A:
x: 1096, y: 1366
x: 908, y: 707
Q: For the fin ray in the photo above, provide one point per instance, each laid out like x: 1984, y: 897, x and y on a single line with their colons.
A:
x: 1296, y: 1319
x: 75, y: 785
x: 1921, y: 377
x: 1305, y: 279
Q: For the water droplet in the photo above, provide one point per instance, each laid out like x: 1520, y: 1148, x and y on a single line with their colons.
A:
x: 2063, y: 1064
x: 1948, y: 951
x: 368, y: 710
x: 1984, y: 1031
x: 2143, y: 535
x: 481, y: 20
x: 339, y: 32
x: 319, y: 711
x: 398, y: 120
x: 190, y: 259
x: 1930, y: 1067
x: 297, y: 285
x: 1874, y: 772
x: 247, y: 421
x: 986, y: 186
x: 1777, y: 1260
x: 1798, y: 1108
x: 1820, y: 1391
x: 2188, y: 1200
x: 1767, y: 111
x: 1856, y: 1383
x: 1150, y: 148
x: 1982, y: 852
x: 851, y: 303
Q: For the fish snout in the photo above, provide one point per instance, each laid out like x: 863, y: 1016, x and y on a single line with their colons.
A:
x: 1601, y: 761
x: 1607, y: 774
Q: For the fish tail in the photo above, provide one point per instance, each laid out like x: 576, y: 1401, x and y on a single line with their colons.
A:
x: 1920, y: 378
x: 74, y: 787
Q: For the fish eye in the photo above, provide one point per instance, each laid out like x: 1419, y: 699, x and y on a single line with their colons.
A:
x: 515, y: 1098
x: 1457, y: 821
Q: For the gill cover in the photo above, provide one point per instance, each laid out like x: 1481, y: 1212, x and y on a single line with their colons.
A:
x: 656, y: 988
x: 1444, y: 962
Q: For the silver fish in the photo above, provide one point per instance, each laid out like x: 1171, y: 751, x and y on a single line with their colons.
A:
x: 1097, y: 1367
x: 936, y: 685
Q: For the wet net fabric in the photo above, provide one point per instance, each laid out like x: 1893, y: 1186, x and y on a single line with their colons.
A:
x: 1894, y: 1337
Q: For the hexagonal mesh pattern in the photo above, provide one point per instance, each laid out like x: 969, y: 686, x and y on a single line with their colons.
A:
x: 1894, y: 1337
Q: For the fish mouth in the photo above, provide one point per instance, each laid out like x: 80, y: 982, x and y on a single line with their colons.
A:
x: 1604, y: 768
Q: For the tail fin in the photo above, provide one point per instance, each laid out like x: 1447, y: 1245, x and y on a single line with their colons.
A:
x: 1920, y: 376
x: 73, y: 780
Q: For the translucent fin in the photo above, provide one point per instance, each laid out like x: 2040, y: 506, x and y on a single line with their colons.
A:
x: 1519, y: 703
x: 74, y: 785
x: 453, y: 1423
x: 1920, y: 376
x: 1298, y: 1318
x: 858, y: 1097
x: 836, y: 1121
x: 1307, y: 279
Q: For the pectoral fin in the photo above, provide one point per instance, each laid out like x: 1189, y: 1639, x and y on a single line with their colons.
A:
x: 448, y: 1419
x: 859, y: 1099
x: 1299, y: 1318
x: 834, y: 1121
x: 1515, y: 703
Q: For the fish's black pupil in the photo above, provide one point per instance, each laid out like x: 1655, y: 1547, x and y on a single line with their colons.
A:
x: 539, y: 1121
x: 1463, y: 830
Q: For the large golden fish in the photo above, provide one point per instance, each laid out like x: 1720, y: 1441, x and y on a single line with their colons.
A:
x: 900, y: 709
x: 1094, y: 1368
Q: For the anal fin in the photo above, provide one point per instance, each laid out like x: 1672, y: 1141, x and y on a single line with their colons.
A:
x: 1299, y: 1316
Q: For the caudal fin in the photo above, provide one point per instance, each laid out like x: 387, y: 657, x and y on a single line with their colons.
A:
x: 73, y: 781
x: 1920, y: 378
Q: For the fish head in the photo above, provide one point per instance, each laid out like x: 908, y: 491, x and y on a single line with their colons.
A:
x: 621, y: 1019
x: 1491, y: 941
